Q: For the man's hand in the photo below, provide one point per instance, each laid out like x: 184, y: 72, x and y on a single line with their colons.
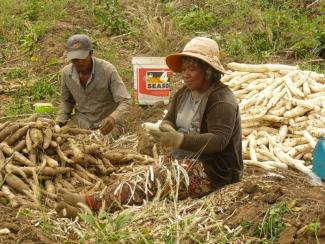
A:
x: 169, y: 138
x: 60, y: 124
x: 107, y: 125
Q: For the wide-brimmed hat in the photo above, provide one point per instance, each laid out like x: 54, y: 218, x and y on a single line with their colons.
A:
x: 202, y: 48
x: 78, y: 47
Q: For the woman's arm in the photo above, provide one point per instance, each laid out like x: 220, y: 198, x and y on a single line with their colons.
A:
x: 221, y: 121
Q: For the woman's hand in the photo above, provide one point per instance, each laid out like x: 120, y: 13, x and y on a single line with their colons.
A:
x: 169, y: 138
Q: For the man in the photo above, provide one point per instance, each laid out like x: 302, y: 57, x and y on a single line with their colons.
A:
x: 93, y: 88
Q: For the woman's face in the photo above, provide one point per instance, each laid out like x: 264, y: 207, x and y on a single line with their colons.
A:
x: 193, y: 75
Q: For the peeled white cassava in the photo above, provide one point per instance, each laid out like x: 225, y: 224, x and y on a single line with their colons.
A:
x: 285, y: 105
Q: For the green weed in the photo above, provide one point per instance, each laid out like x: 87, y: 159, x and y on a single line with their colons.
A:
x: 38, y: 91
x: 111, y: 17
x: 198, y: 20
x: 18, y: 107
x: 247, y: 224
x: 313, y: 228
x: 17, y: 74
x: 26, y: 96
x: 272, y: 223
x: 45, y: 224
x: 108, y: 229
x: 24, y: 212
x: 11, y: 19
x: 42, y: 10
x: 4, y: 201
x: 183, y: 226
x: 33, y: 9
x: 41, y: 90
x: 317, y: 67
x: 32, y: 35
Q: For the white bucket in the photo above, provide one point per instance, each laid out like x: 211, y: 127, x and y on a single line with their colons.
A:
x: 151, y: 80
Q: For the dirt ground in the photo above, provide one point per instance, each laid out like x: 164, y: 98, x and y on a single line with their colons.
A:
x: 236, y: 204
x: 22, y: 228
x: 259, y: 190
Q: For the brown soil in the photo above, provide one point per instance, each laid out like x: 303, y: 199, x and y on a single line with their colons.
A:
x: 22, y: 230
x: 249, y: 200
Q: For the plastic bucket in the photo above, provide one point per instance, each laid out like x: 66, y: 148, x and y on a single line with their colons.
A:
x: 319, y: 158
x: 151, y: 80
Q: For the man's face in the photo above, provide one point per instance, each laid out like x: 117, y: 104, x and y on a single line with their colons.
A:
x: 82, y: 65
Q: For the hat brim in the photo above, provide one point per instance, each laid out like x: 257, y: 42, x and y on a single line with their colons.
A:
x: 174, y: 61
x: 78, y: 54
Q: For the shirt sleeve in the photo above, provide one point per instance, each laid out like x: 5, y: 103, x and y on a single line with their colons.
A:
x: 67, y: 102
x: 221, y: 120
x: 120, y: 96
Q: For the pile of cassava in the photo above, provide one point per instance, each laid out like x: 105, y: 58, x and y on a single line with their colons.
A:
x: 37, y: 158
x: 282, y: 113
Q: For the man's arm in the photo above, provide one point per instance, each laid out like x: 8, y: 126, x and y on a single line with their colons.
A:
x: 67, y: 103
x: 120, y: 96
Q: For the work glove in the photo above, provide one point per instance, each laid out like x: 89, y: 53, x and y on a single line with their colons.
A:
x: 166, y: 127
x: 107, y: 125
x: 169, y: 138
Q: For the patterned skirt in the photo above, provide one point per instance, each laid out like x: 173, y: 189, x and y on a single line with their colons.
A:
x: 171, y: 178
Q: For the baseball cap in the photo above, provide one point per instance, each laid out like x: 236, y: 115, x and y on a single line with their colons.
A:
x: 78, y: 47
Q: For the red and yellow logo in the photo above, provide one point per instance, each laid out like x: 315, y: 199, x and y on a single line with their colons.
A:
x: 157, y: 80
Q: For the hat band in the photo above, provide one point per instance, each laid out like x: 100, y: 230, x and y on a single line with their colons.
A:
x: 203, y: 54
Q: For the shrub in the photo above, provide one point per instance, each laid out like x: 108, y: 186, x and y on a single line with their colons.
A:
x: 111, y: 17
x: 197, y: 20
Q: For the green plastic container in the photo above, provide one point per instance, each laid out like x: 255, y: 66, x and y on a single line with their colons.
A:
x: 43, y: 108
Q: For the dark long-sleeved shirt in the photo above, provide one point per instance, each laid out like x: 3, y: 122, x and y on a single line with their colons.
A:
x: 219, y: 143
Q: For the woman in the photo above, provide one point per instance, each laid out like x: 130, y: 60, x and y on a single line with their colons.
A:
x: 204, y: 119
x: 203, y: 128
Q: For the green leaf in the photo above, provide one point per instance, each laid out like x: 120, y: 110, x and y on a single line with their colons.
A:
x: 90, y: 219
x: 121, y: 221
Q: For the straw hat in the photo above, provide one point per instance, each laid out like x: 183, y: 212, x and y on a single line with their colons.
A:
x: 202, y: 48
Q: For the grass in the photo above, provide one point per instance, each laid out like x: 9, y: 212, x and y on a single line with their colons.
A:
x: 42, y: 90
x: 272, y: 224
x: 108, y: 229
x: 110, y: 16
x: 313, y: 228
x: 16, y: 73
x: 32, y: 35
x: 131, y: 225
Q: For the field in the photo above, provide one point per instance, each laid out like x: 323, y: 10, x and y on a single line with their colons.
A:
x: 273, y: 206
